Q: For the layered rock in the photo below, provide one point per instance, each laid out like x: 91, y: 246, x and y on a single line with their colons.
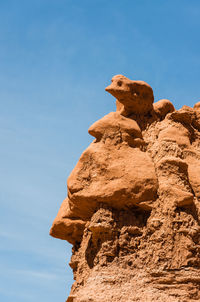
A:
x: 133, y: 207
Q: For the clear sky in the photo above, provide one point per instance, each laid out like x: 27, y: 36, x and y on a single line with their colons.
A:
x: 56, y: 58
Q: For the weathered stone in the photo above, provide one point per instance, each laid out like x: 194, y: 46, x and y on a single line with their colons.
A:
x: 66, y: 226
x: 133, y: 96
x: 133, y: 206
x: 163, y: 107
x: 103, y: 175
x: 197, y: 106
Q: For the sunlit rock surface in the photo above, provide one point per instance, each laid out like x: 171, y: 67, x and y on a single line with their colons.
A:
x: 133, y: 207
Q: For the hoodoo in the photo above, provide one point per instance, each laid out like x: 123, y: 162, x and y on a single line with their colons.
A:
x: 133, y: 207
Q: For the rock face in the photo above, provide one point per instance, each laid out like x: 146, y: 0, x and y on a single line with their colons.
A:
x: 133, y: 206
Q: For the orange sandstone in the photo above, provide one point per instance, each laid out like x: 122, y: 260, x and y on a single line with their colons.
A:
x: 133, y: 206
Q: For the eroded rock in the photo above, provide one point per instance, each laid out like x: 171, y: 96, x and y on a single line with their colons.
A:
x: 133, y: 206
x: 132, y: 96
x: 103, y: 175
x: 163, y: 107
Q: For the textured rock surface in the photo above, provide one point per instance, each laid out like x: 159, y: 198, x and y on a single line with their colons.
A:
x: 133, y: 206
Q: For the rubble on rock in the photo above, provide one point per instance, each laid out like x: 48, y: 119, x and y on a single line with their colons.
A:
x: 133, y: 206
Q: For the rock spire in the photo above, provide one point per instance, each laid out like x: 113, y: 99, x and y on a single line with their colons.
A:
x: 132, y: 210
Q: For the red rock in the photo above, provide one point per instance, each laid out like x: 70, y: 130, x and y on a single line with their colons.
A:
x: 133, y: 206
x: 197, y: 106
x: 175, y: 133
x: 113, y: 123
x: 133, y: 96
x: 163, y: 107
x: 66, y: 226
x: 194, y: 173
x: 103, y: 175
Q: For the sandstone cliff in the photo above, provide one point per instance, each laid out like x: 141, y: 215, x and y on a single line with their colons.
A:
x: 133, y: 206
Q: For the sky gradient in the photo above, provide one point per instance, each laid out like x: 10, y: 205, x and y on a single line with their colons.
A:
x: 56, y: 58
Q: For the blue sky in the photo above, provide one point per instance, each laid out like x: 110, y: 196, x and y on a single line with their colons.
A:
x: 56, y: 58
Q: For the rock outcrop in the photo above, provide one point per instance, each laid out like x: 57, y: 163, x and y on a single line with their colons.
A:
x: 133, y: 207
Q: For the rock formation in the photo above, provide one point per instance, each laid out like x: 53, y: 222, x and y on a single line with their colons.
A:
x: 133, y: 206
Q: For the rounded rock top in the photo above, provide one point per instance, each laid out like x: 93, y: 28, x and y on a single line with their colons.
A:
x: 136, y: 96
